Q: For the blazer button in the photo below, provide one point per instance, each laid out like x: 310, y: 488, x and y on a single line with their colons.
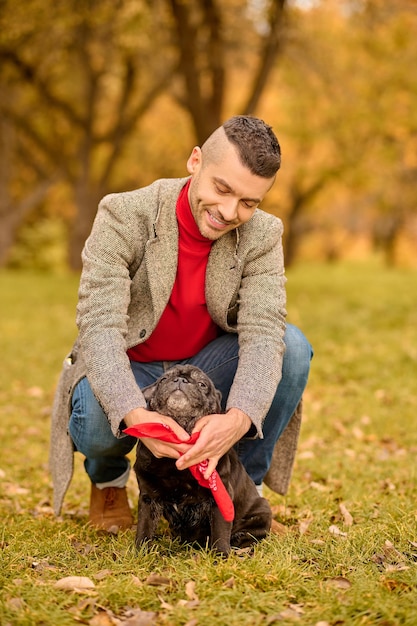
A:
x: 142, y: 333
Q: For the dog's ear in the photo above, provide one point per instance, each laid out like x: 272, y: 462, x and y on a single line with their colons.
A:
x: 217, y: 401
x: 148, y: 392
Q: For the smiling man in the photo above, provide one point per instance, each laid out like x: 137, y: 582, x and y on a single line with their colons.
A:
x: 182, y: 271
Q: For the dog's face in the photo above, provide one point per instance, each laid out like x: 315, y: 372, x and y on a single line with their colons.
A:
x: 184, y: 393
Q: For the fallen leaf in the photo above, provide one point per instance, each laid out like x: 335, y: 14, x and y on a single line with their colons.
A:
x: 278, y: 529
x: 190, y: 590
x: 391, y: 551
x: 347, y: 518
x: 340, y: 582
x: 165, y: 605
x: 102, y: 574
x: 303, y: 525
x: 289, y: 614
x: 102, y: 619
x: 396, y: 585
x: 357, y: 433
x: 318, y: 486
x: 229, y: 583
x: 12, y: 489
x: 74, y: 583
x: 158, y: 581
x: 189, y: 604
x: 16, y: 604
x: 396, y: 567
x: 335, y: 530
x: 35, y: 392
x: 137, y: 617
x: 307, y: 454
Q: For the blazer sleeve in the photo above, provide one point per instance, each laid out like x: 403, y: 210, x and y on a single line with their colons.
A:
x: 261, y: 319
x: 115, y: 243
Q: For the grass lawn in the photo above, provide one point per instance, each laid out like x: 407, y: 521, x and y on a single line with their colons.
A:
x: 349, y: 551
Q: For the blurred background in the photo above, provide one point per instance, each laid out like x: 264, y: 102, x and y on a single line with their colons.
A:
x: 100, y: 96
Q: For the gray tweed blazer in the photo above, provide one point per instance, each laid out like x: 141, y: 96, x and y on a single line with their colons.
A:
x: 129, y: 268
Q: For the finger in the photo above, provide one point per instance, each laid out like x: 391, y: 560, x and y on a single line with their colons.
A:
x: 210, y: 468
x: 178, y: 430
x: 199, y: 426
x: 160, y: 449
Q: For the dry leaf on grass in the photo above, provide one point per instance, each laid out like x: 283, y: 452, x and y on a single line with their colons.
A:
x: 391, y: 551
x: 340, y: 582
x: 190, y: 590
x: 304, y: 524
x: 104, y: 573
x: 289, y: 614
x: 335, y: 530
x: 165, y: 605
x: 347, y: 518
x: 75, y: 583
x: 104, y: 618
x: 278, y: 529
x: 159, y: 581
x: 137, y: 617
x: 396, y: 585
x: 15, y: 604
x: 189, y: 604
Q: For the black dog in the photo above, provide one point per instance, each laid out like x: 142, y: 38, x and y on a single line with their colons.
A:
x: 185, y: 393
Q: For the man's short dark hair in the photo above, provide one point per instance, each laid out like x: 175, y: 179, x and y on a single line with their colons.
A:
x: 256, y: 143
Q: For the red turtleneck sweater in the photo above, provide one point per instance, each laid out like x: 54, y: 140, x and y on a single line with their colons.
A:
x: 185, y: 326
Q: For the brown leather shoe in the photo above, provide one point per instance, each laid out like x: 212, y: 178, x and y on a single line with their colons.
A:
x: 109, y: 509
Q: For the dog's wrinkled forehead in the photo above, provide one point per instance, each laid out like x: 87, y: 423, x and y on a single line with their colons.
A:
x: 189, y: 372
x: 196, y: 387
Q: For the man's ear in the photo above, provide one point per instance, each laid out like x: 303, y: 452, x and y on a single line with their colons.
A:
x: 194, y: 160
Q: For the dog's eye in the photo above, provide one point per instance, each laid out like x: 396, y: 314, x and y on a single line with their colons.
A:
x: 203, y: 385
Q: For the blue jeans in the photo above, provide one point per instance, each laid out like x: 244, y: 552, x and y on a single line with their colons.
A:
x: 106, y: 454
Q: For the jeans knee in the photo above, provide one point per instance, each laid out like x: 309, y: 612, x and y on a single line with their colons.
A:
x: 298, y: 353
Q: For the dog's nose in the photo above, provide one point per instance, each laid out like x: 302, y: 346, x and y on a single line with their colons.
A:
x: 180, y: 380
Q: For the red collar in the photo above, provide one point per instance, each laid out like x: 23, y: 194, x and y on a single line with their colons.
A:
x: 165, y: 433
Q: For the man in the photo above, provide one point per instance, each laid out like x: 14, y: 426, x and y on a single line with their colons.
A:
x: 184, y: 270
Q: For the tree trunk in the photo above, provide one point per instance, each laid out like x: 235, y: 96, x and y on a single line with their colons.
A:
x: 87, y: 198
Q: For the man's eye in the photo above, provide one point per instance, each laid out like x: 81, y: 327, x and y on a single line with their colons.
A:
x: 248, y: 205
x: 221, y: 190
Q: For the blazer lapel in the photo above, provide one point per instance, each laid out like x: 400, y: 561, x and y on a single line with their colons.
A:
x: 223, y: 276
x: 161, y: 254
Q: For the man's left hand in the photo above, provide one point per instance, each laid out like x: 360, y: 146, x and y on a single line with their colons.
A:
x: 218, y: 433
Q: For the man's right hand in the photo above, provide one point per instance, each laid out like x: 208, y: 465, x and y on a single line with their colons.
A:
x: 159, y: 448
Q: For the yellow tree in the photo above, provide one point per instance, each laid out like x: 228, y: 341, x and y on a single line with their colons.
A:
x: 79, y: 76
x: 82, y: 74
x: 348, y: 108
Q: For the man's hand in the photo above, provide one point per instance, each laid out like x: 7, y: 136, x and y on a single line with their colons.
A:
x: 159, y: 448
x: 218, y: 433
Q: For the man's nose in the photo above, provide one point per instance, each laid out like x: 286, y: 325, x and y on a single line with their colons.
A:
x: 229, y: 208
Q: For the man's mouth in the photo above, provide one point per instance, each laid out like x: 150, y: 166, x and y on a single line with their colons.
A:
x: 216, y: 222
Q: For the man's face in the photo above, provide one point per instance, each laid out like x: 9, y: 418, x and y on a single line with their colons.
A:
x: 223, y: 194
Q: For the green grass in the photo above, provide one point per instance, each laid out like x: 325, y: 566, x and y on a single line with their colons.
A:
x: 358, y: 448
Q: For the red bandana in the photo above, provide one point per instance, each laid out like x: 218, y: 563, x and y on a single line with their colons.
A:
x: 165, y: 433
